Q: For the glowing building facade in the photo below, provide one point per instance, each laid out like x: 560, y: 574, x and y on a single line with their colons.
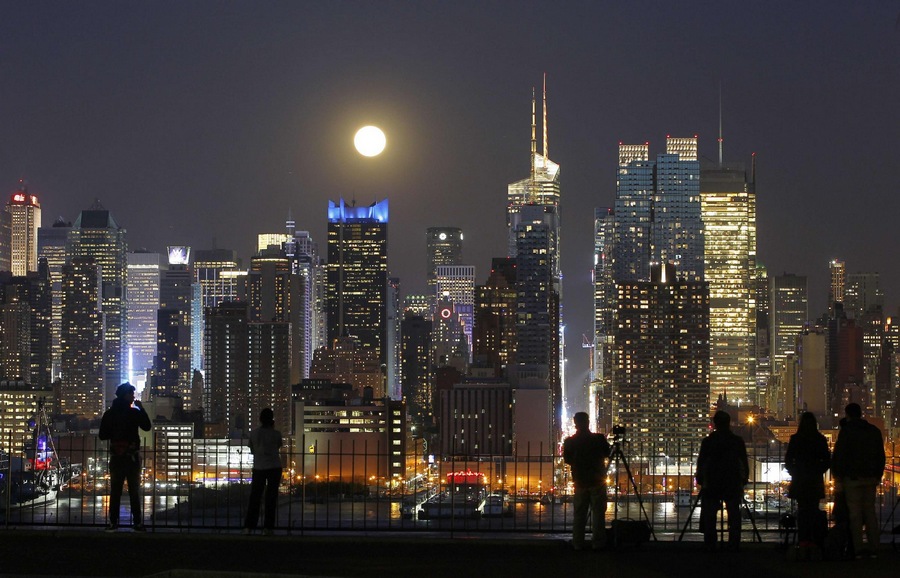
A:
x: 788, y: 316
x: 142, y: 304
x: 443, y: 247
x: 357, y: 274
x: 25, y: 220
x: 456, y: 283
x: 728, y: 202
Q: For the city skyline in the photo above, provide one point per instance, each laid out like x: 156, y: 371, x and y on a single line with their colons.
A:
x: 247, y: 114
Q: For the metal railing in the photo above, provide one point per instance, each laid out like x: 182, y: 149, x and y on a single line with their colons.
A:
x: 347, y: 487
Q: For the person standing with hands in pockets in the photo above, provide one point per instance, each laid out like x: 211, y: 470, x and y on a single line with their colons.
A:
x: 265, y: 441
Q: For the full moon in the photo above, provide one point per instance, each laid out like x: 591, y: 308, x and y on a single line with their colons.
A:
x: 369, y: 141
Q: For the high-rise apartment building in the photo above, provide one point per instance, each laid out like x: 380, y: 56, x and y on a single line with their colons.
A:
x: 443, y: 246
x: 141, y: 306
x: 728, y: 203
x: 82, y: 340
x: 357, y: 274
x: 225, y: 383
x: 25, y: 220
x: 788, y: 315
x: 52, y: 243
x: 661, y: 362
x: 415, y: 367
x: 176, y: 319
x: 95, y: 234
x: 494, y: 336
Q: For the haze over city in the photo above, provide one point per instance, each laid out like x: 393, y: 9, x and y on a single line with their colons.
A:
x: 207, y: 123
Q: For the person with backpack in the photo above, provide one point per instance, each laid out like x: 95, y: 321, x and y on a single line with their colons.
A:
x: 119, y: 426
x: 857, y: 467
x: 722, y: 472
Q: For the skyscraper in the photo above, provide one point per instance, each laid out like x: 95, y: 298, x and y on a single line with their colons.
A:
x: 394, y: 321
x: 218, y: 272
x: 52, y: 243
x: 658, y: 212
x: 863, y: 294
x: 142, y: 304
x: 357, y: 274
x: 600, y: 395
x: 456, y: 283
x: 5, y: 240
x: 444, y: 247
x: 661, y: 362
x: 25, y: 213
x: 226, y: 382
x: 838, y: 274
x: 310, y: 267
x: 728, y: 201
x: 788, y: 315
x: 276, y: 294
x: 82, y: 390
x: 175, y: 321
x: 494, y: 335
x: 416, y: 379
x: 97, y: 235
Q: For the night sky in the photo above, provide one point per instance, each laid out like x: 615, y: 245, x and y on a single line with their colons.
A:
x: 203, y: 122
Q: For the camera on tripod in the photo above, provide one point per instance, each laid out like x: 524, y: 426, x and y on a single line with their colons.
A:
x: 618, y: 434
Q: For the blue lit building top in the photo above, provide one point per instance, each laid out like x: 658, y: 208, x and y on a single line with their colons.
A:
x: 341, y: 211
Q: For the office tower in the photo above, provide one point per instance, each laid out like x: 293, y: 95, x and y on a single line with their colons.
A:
x: 838, y: 275
x: 394, y: 319
x: 82, y: 390
x: 25, y: 220
x: 728, y: 203
x: 494, y: 335
x: 456, y: 283
x: 96, y: 234
x: 25, y: 312
x: 218, y: 272
x: 658, y: 211
x: 141, y: 306
x: 357, y: 274
x: 276, y: 294
x: 847, y: 367
x: 225, y: 384
x: 540, y: 192
x: 600, y: 395
x: 863, y: 294
x: 306, y: 262
x: 175, y: 321
x: 444, y: 247
x: 52, y: 247
x: 661, y: 362
x: 449, y: 345
x: 788, y: 315
x: 269, y: 368
x: 415, y: 367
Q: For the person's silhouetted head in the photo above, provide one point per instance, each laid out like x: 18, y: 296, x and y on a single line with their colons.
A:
x: 853, y: 411
x: 721, y: 420
x: 125, y: 390
x: 267, y: 417
x: 582, y: 421
x: 808, y: 425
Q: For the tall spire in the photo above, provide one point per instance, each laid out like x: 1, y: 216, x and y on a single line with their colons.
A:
x: 532, y: 194
x: 721, y: 140
x: 544, y: 123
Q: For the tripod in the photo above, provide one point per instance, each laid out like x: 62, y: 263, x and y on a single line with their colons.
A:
x: 616, y: 457
x: 744, y: 505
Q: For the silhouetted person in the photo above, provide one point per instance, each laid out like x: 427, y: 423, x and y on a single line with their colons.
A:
x: 722, y: 472
x: 265, y: 441
x: 119, y: 425
x: 857, y: 467
x: 807, y: 459
x: 586, y: 454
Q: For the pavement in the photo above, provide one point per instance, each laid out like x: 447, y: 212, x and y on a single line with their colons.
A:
x: 56, y: 552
